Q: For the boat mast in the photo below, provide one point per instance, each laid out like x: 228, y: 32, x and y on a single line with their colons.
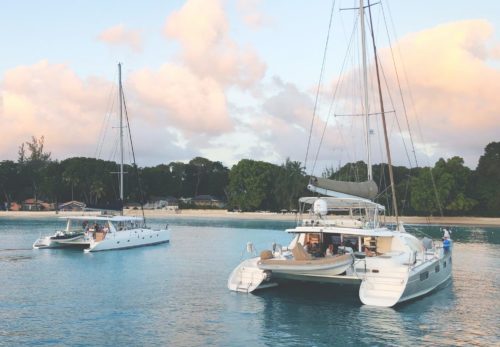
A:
x: 365, y: 87
x: 121, y: 130
x: 386, y: 138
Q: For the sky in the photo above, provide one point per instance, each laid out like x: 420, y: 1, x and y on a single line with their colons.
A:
x: 238, y: 79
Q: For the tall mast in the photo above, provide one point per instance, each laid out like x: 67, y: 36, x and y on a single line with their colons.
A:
x: 121, y: 129
x: 365, y: 87
x: 386, y: 138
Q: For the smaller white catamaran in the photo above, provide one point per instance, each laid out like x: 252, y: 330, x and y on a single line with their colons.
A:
x: 342, y: 239
x: 106, y: 232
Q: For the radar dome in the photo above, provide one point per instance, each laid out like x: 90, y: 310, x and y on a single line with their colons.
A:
x: 320, y: 207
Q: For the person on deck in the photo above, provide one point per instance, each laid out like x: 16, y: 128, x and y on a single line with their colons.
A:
x: 329, y: 251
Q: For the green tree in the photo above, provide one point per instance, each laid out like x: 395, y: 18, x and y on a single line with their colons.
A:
x: 451, y: 180
x: 31, y: 165
x: 251, y: 185
x: 9, y: 181
x: 486, y: 188
x: 290, y: 184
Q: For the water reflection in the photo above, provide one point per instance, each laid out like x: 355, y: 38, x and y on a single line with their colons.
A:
x: 176, y: 294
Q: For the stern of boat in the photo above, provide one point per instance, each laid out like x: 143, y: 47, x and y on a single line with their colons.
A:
x: 43, y: 242
x: 247, y: 277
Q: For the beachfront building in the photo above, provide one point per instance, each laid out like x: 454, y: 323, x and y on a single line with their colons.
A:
x: 167, y: 203
x: 72, y: 205
x: 32, y: 204
x: 207, y: 201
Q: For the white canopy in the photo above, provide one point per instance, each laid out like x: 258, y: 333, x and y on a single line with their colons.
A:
x: 105, y: 218
x: 382, y: 232
x: 338, y: 203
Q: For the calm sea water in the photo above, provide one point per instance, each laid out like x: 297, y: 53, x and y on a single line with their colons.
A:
x: 175, y: 294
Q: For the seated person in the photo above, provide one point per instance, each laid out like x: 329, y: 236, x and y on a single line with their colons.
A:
x: 368, y: 252
x: 307, y: 247
x: 329, y: 251
x: 316, y: 250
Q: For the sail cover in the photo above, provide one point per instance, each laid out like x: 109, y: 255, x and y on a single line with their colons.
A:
x: 367, y: 189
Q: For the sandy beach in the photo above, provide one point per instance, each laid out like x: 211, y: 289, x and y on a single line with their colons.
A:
x: 473, y: 221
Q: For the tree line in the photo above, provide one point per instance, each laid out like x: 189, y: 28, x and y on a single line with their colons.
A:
x: 448, y: 188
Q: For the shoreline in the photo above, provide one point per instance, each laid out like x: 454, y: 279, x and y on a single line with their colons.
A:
x: 223, y: 214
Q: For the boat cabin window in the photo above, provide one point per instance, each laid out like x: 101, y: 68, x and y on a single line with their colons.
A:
x: 313, y: 244
x: 341, y: 243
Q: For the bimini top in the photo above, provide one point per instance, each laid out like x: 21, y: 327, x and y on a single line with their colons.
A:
x: 340, y: 203
x: 105, y: 218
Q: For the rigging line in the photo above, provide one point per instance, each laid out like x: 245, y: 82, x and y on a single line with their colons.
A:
x: 334, y: 96
x: 396, y: 118
x: 391, y: 175
x: 141, y: 195
x: 400, y: 88
x: 407, y: 187
x: 319, y: 84
x: 438, y: 200
x: 104, y: 124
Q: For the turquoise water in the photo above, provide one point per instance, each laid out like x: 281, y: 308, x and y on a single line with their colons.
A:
x: 175, y: 294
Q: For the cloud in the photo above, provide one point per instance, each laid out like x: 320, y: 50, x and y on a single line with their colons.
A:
x: 50, y: 100
x: 120, y: 36
x: 252, y: 17
x: 178, y: 98
x: 449, y: 86
x: 202, y: 28
x: 454, y: 88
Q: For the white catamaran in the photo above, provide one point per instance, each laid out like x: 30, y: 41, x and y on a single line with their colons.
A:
x: 341, y: 239
x: 106, y: 232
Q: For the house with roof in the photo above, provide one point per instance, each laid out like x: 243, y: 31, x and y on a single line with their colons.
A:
x: 72, y: 205
x: 207, y: 201
x: 32, y: 204
x: 167, y: 203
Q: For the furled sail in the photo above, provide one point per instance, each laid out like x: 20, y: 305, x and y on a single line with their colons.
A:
x: 325, y: 186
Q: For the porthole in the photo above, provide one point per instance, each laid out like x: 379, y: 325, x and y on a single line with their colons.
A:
x: 424, y: 276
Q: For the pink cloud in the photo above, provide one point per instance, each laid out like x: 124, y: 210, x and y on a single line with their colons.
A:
x: 177, y: 97
x: 454, y: 87
x: 51, y: 100
x: 252, y: 17
x: 452, y: 91
x: 202, y: 28
x: 120, y: 36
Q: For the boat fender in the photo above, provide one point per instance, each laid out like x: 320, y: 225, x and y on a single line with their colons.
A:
x: 250, y: 248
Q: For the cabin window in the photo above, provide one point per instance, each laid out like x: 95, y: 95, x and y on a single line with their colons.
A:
x: 450, y: 260
x: 437, y: 268
x: 444, y: 265
x: 424, y: 276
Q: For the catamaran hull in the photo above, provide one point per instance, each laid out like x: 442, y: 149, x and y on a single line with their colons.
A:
x: 51, y: 242
x: 380, y: 289
x: 130, y: 239
x: 439, y: 273
x: 374, y: 288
